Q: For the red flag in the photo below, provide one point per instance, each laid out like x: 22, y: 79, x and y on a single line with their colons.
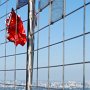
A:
x: 15, y: 29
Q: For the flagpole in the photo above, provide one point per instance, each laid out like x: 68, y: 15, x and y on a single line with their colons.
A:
x: 30, y: 44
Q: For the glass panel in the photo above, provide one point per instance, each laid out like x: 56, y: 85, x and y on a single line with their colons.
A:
x: 10, y: 4
x: 35, y: 41
x: 1, y: 77
x: 56, y: 55
x: 56, y: 77
x: 21, y: 49
x: 87, y: 78
x: 21, y: 61
x: 2, y: 50
x: 10, y: 77
x: 87, y: 47
x: 42, y: 76
x: 35, y: 59
x: 43, y: 57
x: 10, y: 62
x: 2, y: 36
x: 43, y: 18
x: 87, y: 1
x: 2, y: 12
x: 72, y: 5
x: 2, y: 63
x: 43, y: 38
x: 74, y: 50
x: 21, y: 77
x: 43, y: 3
x: 34, y: 83
x: 74, y: 77
x: 56, y: 10
x: 10, y: 48
x: 74, y: 24
x: 87, y: 16
x: 56, y: 32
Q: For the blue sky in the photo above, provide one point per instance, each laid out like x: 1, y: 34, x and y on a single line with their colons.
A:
x: 73, y: 48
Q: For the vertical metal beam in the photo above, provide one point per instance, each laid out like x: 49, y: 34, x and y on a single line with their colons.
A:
x: 38, y: 40
x: 5, y: 49
x: 30, y: 44
x: 5, y: 53
x: 15, y: 54
x: 64, y: 6
x: 50, y: 6
x: 84, y: 29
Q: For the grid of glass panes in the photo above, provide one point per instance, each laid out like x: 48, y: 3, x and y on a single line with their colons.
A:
x: 12, y: 59
x: 61, y: 49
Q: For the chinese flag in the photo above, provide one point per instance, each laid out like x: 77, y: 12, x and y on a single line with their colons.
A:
x: 15, y: 29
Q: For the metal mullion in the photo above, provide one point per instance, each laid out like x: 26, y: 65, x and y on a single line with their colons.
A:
x: 15, y: 53
x: 63, y: 60
x: 14, y: 70
x: 49, y: 21
x: 84, y: 29
x: 38, y: 39
x: 71, y: 64
x: 5, y: 49
x: 1, y: 4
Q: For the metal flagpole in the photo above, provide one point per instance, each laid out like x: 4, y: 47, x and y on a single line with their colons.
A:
x: 30, y: 44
